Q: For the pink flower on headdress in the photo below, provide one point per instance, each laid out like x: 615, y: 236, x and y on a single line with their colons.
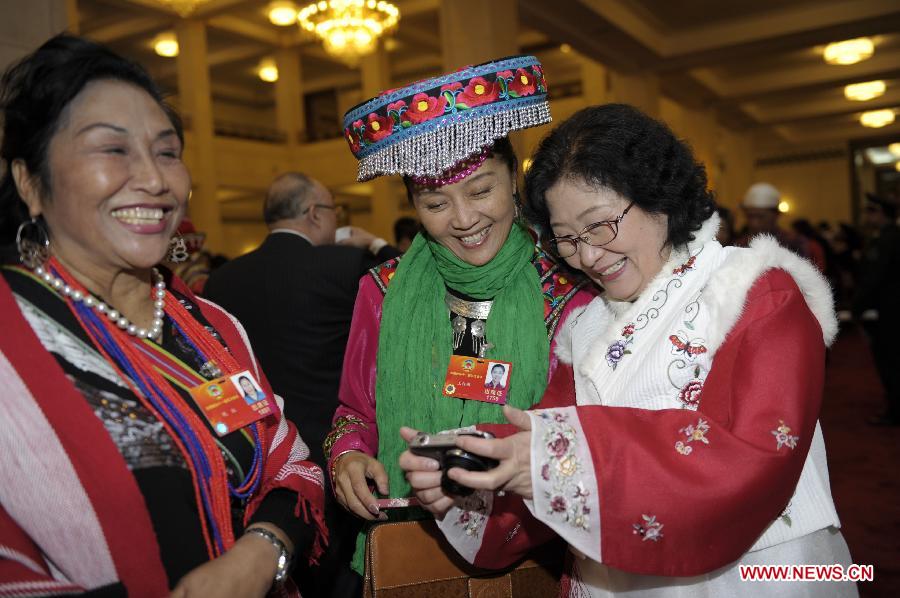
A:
x: 479, y: 91
x: 507, y: 74
x: 396, y: 106
x: 523, y: 83
x: 378, y: 127
x: 451, y: 86
x: 424, y: 107
x: 352, y: 139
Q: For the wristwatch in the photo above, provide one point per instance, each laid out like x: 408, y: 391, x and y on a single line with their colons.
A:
x: 284, y: 557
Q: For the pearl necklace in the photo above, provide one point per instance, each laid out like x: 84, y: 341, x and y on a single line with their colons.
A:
x: 114, y: 316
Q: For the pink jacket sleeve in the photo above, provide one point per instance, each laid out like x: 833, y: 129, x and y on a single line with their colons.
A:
x: 354, y: 427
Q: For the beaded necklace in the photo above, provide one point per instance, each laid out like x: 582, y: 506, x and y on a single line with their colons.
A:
x: 199, y: 448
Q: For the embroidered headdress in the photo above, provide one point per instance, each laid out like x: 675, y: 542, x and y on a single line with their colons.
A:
x: 426, y: 129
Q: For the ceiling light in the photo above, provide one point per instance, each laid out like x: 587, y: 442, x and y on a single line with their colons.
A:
x: 784, y: 207
x: 282, y: 13
x: 861, y: 92
x: 183, y: 7
x: 565, y: 48
x: 894, y: 148
x: 849, y: 51
x: 267, y: 70
x: 877, y: 118
x: 166, y: 44
x: 349, y: 28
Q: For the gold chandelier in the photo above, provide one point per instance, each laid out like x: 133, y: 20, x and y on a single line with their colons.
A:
x: 349, y: 28
x: 183, y: 7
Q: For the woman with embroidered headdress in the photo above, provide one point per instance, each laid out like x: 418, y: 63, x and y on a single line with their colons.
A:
x: 127, y: 466
x: 679, y: 439
x: 472, y: 284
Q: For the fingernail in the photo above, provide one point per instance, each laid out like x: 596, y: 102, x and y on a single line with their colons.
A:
x: 373, y: 508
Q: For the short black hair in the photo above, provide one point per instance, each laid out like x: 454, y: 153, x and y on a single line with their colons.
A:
x: 34, y: 94
x: 405, y: 228
x: 616, y: 146
x: 502, y: 149
x: 498, y: 365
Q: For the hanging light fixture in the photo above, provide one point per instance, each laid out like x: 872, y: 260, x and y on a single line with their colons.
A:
x: 349, y: 29
x: 849, y: 51
x: 862, y: 92
x: 267, y: 70
x: 282, y: 13
x: 877, y: 118
x: 894, y: 148
x: 166, y: 44
x: 183, y: 7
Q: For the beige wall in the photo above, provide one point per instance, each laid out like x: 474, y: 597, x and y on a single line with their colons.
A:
x: 816, y: 189
x: 26, y: 24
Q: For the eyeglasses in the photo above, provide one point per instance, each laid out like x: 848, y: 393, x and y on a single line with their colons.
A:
x: 338, y: 209
x: 597, y: 234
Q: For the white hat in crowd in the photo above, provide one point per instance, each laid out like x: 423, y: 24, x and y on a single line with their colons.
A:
x: 762, y: 195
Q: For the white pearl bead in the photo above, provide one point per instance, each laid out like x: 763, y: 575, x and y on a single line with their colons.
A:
x: 67, y: 290
x: 90, y: 301
x: 77, y: 295
x: 131, y: 329
x: 57, y: 284
x: 122, y: 323
x: 161, y: 294
x: 141, y: 333
x: 113, y: 314
x: 159, y: 304
x: 39, y: 270
x: 101, y: 307
x: 47, y: 277
x: 158, y: 314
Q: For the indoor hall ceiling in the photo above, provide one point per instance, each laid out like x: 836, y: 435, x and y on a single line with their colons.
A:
x: 757, y: 63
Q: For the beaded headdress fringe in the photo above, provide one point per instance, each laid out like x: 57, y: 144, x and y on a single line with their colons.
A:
x: 436, y: 151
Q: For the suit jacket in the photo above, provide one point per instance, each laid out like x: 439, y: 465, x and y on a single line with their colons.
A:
x: 296, y: 300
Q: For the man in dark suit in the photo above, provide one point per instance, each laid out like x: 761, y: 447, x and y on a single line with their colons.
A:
x: 294, y: 295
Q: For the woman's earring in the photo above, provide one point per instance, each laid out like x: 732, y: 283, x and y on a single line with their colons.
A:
x: 33, y: 243
x: 178, y: 252
x: 517, y: 202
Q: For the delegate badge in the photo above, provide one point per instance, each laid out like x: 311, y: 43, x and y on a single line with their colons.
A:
x: 232, y: 402
x: 477, y: 379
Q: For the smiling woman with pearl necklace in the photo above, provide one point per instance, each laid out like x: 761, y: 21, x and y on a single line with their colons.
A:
x: 113, y: 479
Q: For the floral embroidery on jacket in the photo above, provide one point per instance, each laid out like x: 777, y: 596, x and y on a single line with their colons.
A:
x: 690, y: 393
x: 567, y: 496
x: 685, y: 267
x: 694, y: 433
x: 783, y: 436
x: 650, y: 529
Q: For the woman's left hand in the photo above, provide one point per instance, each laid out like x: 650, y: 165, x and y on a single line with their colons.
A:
x: 513, y: 474
x: 246, y: 570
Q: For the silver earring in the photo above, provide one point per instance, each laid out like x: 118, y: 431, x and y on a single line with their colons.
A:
x: 178, y: 252
x: 33, y: 243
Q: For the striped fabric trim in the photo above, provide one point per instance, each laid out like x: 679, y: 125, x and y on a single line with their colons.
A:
x: 38, y: 588
x: 41, y: 491
x: 14, y: 555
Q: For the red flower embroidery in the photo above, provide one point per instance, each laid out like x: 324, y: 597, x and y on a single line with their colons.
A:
x: 523, y: 83
x: 479, y: 91
x: 378, y: 127
x: 689, y: 395
x: 558, y: 504
x: 688, y: 265
x: 451, y: 86
x: 628, y: 330
x: 558, y: 446
x: 423, y: 108
x: 397, y: 106
x: 539, y: 73
x: 352, y: 139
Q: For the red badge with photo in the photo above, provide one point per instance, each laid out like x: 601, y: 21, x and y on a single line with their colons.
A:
x: 477, y: 379
x: 232, y: 402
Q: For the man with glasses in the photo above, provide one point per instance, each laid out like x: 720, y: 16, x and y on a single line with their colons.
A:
x: 295, y: 295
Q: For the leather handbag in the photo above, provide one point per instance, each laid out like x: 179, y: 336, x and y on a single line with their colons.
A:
x: 407, y: 559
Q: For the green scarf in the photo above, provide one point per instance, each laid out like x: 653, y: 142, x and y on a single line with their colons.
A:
x: 415, y: 341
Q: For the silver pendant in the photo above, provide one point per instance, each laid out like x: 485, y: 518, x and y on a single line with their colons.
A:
x: 459, y: 331
x: 477, y: 330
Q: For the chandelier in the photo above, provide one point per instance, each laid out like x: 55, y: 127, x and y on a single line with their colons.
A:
x: 183, y: 7
x: 349, y: 28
